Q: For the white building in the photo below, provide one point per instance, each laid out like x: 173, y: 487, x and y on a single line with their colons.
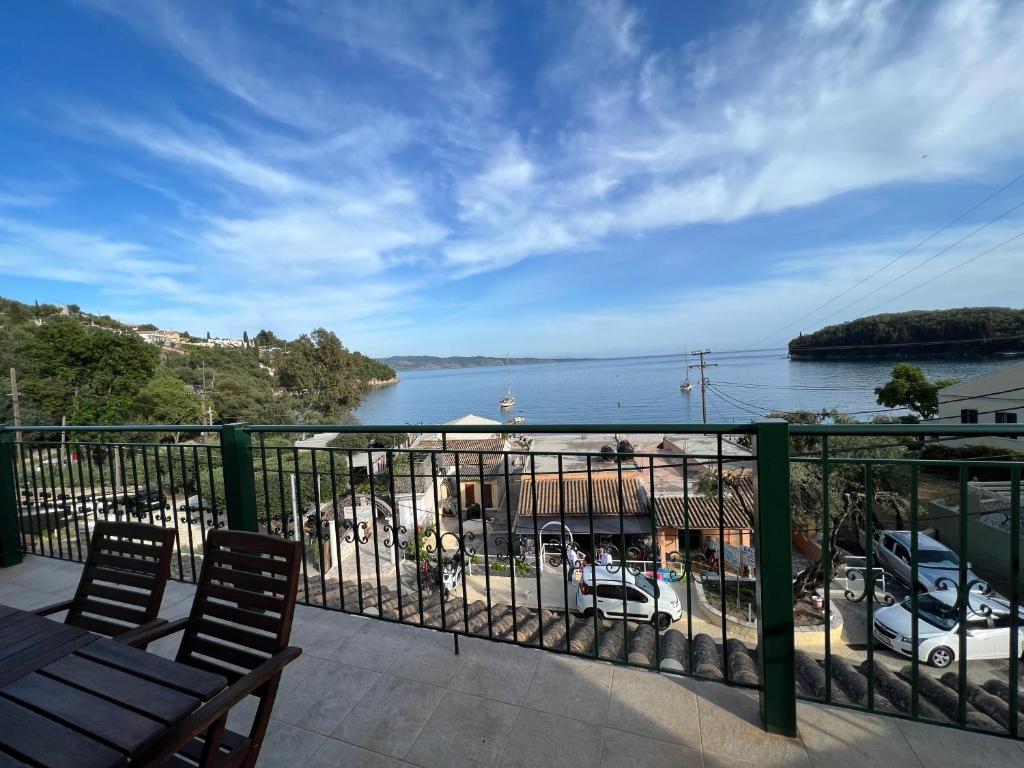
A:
x: 996, y: 398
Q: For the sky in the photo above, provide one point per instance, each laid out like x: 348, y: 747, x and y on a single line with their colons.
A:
x: 570, y: 179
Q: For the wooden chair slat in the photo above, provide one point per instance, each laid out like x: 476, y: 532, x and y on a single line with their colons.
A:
x: 240, y: 559
x: 131, y: 597
x: 247, y: 599
x: 237, y: 635
x: 108, y: 611
x: 248, y: 580
x: 217, y: 610
x: 237, y: 657
x: 113, y: 576
x: 127, y: 563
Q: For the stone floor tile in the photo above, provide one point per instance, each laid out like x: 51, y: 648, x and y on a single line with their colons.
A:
x: 375, y: 646
x: 339, y: 754
x: 463, y: 731
x: 831, y: 734
x: 390, y: 716
x: 542, y: 739
x: 429, y: 658
x: 572, y: 687
x: 497, y: 671
x: 654, y: 705
x: 620, y: 748
x: 324, y: 696
x: 936, y: 746
x: 286, y: 746
x: 730, y: 727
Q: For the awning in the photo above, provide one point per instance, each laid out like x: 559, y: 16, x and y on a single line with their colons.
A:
x: 631, y: 525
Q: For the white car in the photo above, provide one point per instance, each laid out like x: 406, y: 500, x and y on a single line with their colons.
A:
x: 938, y: 628
x: 613, y: 594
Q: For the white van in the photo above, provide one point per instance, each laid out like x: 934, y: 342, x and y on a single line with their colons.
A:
x: 614, y: 594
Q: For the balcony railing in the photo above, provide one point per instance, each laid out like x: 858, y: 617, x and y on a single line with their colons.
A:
x: 713, y: 551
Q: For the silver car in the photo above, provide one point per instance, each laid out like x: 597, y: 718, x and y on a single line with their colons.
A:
x: 938, y: 566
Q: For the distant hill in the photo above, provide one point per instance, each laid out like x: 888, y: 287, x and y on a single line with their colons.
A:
x: 969, y: 332
x: 93, y: 369
x: 429, y: 363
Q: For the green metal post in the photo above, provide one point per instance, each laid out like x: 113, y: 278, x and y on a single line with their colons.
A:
x: 773, y: 542
x: 10, y: 537
x: 239, y: 478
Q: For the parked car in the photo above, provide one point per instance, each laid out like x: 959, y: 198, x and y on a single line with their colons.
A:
x: 938, y: 566
x: 988, y: 626
x: 192, y: 503
x: 613, y: 593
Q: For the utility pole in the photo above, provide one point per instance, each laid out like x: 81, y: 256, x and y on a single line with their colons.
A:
x: 15, y: 403
x: 703, y: 380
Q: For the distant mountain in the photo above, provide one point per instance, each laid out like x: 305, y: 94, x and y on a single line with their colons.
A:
x: 429, y: 363
x: 968, y: 332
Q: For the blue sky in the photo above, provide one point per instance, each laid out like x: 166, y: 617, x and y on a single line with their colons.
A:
x: 599, y: 178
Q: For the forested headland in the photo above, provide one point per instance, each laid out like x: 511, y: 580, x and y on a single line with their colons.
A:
x: 969, y: 332
x: 93, y: 369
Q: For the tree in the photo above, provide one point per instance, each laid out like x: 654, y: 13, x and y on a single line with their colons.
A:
x: 908, y: 388
x: 167, y: 400
x: 245, y: 339
x: 89, y: 375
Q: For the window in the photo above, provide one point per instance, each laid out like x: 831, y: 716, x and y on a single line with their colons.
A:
x: 610, y: 591
x: 902, y: 553
x: 1006, y: 417
x: 969, y: 416
x: 636, y: 596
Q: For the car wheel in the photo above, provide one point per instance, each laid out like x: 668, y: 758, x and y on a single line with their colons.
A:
x: 941, y: 657
x: 662, y: 621
x: 588, y: 612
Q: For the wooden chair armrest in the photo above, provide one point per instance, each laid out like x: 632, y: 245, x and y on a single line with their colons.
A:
x: 140, y: 636
x: 150, y: 631
x: 64, y: 605
x: 217, y: 707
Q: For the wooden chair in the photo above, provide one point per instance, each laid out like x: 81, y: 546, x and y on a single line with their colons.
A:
x: 123, y: 580
x: 239, y: 627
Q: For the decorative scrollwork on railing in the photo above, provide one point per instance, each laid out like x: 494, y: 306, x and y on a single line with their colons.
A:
x: 690, y: 561
x: 360, y: 531
x: 461, y: 543
x: 984, y: 589
x: 393, y: 535
x: 877, y: 577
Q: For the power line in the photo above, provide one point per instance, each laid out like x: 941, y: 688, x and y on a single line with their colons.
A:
x: 963, y: 263
x: 930, y: 259
x: 907, y: 252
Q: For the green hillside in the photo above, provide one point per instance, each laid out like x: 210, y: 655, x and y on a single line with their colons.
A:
x: 969, y: 332
x: 93, y: 369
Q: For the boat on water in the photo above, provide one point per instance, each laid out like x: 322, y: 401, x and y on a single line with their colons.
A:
x: 517, y: 419
x: 508, y: 400
x: 685, y: 386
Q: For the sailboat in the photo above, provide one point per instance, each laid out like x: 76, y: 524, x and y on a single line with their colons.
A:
x: 685, y: 386
x: 508, y: 400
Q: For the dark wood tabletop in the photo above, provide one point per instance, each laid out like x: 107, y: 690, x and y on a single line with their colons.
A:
x: 72, y: 698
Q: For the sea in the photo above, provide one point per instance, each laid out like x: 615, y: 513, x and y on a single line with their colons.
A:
x: 637, y: 390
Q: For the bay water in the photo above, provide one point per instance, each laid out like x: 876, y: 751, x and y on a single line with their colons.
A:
x: 638, y: 390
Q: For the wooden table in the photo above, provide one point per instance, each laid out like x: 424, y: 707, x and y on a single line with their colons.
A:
x: 72, y: 698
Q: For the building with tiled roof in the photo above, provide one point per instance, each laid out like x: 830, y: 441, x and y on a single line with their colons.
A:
x: 616, y: 505
x: 698, y: 517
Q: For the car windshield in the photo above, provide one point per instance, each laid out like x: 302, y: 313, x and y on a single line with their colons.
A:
x: 645, y: 584
x: 937, y: 558
x: 935, y: 612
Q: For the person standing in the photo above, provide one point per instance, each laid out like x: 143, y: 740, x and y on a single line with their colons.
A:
x: 572, y: 559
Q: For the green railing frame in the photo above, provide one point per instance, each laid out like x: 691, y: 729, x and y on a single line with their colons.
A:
x: 772, y: 526
x: 239, y: 478
x: 10, y: 537
x: 773, y: 543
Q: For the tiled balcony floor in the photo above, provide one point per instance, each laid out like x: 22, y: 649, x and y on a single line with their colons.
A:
x: 370, y: 693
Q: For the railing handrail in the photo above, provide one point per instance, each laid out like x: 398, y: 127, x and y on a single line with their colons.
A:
x: 560, y: 429
x: 194, y: 428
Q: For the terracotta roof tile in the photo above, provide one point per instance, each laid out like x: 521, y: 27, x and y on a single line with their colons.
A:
x: 737, y: 509
x: 603, y: 498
